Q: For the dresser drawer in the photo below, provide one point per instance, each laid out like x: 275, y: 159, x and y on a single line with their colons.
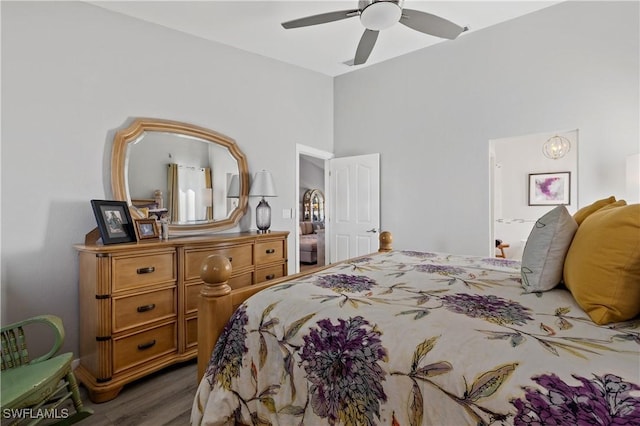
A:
x: 270, y: 251
x: 137, y: 271
x: 141, y: 347
x: 133, y: 311
x: 192, y: 332
x: 270, y: 273
x: 240, y: 257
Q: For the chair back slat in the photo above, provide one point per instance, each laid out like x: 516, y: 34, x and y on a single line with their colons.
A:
x: 14, y: 348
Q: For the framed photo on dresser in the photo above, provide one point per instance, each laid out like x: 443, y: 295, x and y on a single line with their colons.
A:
x: 114, y: 221
x: 146, y: 229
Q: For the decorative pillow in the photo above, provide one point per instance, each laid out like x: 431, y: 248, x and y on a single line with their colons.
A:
x: 584, y: 212
x: 545, y: 250
x: 602, y: 268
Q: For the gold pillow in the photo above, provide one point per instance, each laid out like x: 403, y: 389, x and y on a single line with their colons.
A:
x: 582, y: 214
x: 602, y: 267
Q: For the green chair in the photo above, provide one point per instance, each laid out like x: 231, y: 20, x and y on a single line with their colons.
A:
x: 36, y: 390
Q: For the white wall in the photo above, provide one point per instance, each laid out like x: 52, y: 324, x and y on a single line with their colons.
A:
x: 431, y: 115
x: 72, y: 74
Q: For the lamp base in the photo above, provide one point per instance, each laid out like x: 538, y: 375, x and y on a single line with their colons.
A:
x: 263, y: 217
x: 264, y: 231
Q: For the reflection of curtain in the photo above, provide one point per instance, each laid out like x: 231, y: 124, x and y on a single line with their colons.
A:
x: 209, y: 191
x: 172, y: 197
x: 189, y: 193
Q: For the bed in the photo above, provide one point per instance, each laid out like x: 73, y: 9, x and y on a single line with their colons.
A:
x: 411, y: 338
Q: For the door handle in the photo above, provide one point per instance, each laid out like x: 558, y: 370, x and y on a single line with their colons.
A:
x: 374, y: 230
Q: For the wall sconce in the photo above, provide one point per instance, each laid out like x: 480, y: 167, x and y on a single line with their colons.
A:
x: 556, y: 147
x: 263, y: 186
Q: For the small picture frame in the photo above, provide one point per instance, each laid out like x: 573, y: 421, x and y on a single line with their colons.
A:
x: 147, y: 229
x: 550, y: 189
x: 114, y: 221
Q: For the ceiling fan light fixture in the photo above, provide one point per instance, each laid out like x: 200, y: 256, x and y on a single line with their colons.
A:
x: 380, y: 15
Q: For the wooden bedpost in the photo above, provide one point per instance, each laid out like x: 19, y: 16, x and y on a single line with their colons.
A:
x: 386, y: 241
x: 214, y: 306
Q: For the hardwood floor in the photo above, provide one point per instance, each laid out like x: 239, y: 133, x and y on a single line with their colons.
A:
x: 161, y: 399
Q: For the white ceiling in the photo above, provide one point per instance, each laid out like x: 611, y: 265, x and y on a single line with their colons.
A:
x: 254, y: 26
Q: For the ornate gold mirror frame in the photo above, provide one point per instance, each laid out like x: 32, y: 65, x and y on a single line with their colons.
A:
x: 124, y: 140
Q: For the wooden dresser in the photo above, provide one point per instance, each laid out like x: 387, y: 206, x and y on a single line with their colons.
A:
x: 138, y: 301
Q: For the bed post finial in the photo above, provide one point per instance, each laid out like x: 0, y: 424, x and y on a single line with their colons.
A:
x: 386, y: 241
x: 214, y: 306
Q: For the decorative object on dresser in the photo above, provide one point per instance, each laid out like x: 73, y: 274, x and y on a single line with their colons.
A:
x: 147, y: 228
x: 263, y: 186
x: 139, y: 302
x: 114, y: 221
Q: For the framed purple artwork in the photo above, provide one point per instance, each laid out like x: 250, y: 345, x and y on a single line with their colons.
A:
x: 549, y: 189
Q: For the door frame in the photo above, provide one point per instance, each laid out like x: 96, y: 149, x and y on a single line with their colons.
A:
x: 322, y: 155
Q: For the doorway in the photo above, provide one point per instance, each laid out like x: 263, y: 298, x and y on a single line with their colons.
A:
x: 311, y: 178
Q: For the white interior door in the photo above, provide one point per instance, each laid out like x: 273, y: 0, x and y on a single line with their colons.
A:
x: 354, y: 206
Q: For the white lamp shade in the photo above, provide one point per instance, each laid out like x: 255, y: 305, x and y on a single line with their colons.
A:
x: 263, y: 185
x: 234, y: 187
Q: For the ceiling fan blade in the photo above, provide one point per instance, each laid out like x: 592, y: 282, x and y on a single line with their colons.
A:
x: 321, y: 18
x: 430, y: 24
x: 367, y: 41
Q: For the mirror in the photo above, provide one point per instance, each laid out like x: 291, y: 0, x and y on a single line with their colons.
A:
x: 194, y: 177
x: 512, y: 212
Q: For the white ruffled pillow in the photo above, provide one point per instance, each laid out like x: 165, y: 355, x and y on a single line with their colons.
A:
x: 545, y: 250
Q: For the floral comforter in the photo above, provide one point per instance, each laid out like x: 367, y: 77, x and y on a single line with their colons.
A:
x: 411, y: 338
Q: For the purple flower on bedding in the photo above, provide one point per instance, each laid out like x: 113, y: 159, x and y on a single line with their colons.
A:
x: 341, y: 362
x: 605, y: 400
x: 440, y: 269
x: 420, y: 254
x: 226, y: 358
x: 488, y: 307
x: 344, y: 283
x: 501, y: 262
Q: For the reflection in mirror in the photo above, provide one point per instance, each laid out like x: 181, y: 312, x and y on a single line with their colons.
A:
x: 184, y: 169
x: 180, y: 172
x: 512, y: 216
x: 233, y: 193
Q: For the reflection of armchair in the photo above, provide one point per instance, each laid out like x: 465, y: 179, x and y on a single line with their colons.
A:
x: 34, y: 390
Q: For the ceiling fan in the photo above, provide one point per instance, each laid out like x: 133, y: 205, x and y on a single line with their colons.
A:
x: 376, y: 15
